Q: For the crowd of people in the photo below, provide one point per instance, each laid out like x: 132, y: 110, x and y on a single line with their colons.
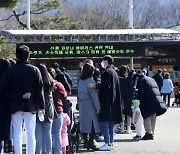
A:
x: 107, y: 99
x: 32, y: 95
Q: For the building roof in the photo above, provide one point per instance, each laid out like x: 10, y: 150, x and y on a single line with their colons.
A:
x: 176, y: 28
x: 115, y: 35
x: 89, y: 32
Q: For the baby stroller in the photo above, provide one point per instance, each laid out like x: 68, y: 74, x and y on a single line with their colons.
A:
x: 73, y: 129
x: 177, y: 96
x: 74, y: 137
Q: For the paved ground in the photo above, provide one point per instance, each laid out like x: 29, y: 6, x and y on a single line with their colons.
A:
x: 166, y: 141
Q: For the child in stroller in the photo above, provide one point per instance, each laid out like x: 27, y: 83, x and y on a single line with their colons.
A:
x: 176, y: 95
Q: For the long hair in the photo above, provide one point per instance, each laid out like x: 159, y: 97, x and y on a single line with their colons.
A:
x: 47, y: 79
x: 87, y: 71
x: 52, y: 72
x: 123, y: 70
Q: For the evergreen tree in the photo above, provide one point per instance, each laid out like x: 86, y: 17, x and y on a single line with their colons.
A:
x: 8, y: 3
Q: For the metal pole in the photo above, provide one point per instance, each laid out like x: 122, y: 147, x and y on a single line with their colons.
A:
x: 130, y: 14
x: 28, y: 15
x: 131, y: 63
x: 131, y: 26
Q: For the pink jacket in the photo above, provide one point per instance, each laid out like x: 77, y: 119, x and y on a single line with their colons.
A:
x: 66, y: 122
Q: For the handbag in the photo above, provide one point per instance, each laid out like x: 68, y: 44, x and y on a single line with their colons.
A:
x: 163, y: 109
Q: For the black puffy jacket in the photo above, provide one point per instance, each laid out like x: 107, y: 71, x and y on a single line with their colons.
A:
x: 149, y: 96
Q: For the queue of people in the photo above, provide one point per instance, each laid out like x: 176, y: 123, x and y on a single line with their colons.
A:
x: 107, y: 98
x: 32, y: 96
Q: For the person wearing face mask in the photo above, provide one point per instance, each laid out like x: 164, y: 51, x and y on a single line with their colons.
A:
x: 110, y: 102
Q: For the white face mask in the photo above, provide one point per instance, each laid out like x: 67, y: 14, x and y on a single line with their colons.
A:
x: 102, y: 64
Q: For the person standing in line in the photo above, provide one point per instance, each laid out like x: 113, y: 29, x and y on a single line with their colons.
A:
x: 159, y: 79
x: 59, y: 97
x: 167, y: 88
x: 128, y: 94
x: 26, y: 85
x: 110, y: 101
x: 89, y: 107
x: 60, y: 77
x: 44, y: 128
x: 64, y: 132
x: 5, y: 114
x: 164, y: 71
x: 150, y: 99
x: 63, y: 70
x: 97, y: 79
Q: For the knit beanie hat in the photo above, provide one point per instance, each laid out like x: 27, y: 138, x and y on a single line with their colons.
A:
x: 136, y: 102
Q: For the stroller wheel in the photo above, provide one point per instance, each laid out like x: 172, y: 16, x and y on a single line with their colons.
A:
x: 73, y: 149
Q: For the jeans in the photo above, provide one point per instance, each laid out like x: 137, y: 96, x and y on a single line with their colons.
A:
x: 43, y: 138
x: 56, y: 133
x: 108, y: 131
x: 30, y: 124
x: 164, y: 98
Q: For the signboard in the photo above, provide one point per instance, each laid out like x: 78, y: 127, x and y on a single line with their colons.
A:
x: 58, y: 50
x: 169, y: 68
x: 136, y: 65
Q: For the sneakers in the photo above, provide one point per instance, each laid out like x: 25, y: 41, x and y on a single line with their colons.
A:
x: 100, y: 139
x: 148, y: 137
x: 129, y: 131
x: 122, y: 130
x: 137, y: 137
x: 106, y: 147
x: 95, y: 143
x: 117, y: 129
x: 111, y: 145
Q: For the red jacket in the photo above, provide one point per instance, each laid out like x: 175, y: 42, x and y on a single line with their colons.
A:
x: 59, y: 96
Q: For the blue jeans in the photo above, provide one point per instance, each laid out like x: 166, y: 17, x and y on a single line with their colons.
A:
x: 56, y: 132
x: 43, y: 138
x: 107, y: 130
x: 164, y: 98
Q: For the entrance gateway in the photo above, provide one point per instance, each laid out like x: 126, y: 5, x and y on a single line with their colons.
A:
x: 150, y: 48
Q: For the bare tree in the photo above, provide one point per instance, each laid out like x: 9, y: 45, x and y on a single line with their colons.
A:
x: 146, y: 13
x: 101, y: 14
x: 173, y: 12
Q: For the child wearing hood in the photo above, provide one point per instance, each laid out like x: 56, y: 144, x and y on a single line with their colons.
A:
x: 137, y: 119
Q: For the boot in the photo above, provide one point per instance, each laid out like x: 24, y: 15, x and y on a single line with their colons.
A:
x: 8, y: 146
x: 85, y: 137
x: 92, y: 143
x: 92, y: 146
x: 86, y: 144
